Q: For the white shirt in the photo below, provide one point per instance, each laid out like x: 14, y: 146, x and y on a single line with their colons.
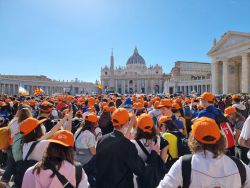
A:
x: 245, y: 132
x: 38, y: 152
x: 14, y: 126
x: 207, y: 172
x: 85, y: 140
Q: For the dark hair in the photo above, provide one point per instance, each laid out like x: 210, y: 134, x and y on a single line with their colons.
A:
x: 88, y: 125
x: 55, y: 155
x: 217, y: 149
x: 237, y: 100
x: 33, y: 135
x: 148, y: 136
x: 170, y: 126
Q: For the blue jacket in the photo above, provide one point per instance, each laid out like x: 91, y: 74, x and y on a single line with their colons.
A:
x: 210, y: 112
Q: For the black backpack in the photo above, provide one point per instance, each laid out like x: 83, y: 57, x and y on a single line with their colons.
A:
x: 22, y: 166
x: 187, y: 168
x: 182, y: 143
x: 154, y: 170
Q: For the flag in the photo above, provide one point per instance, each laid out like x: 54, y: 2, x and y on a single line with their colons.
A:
x: 99, y: 85
x: 37, y: 91
x: 42, y: 91
x: 23, y: 91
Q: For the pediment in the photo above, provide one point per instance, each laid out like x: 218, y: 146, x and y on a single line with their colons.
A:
x: 230, y: 39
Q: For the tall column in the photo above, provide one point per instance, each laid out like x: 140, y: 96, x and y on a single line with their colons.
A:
x: 215, y: 77
x: 225, y: 77
x: 146, y: 86
x: 244, y: 74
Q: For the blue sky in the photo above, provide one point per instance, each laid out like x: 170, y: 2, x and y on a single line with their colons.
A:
x: 65, y: 39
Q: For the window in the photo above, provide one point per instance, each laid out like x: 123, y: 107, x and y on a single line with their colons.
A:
x: 106, y: 73
x: 131, y: 81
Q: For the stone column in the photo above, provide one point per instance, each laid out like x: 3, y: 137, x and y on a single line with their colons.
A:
x: 146, y: 86
x: 244, y: 74
x: 215, y: 77
x: 225, y: 77
x: 116, y: 86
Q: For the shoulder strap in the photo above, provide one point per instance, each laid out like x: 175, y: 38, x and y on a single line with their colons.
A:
x: 78, y: 171
x: 142, y: 147
x: 241, y: 168
x: 78, y: 134
x: 32, y: 147
x: 186, y: 170
x: 61, y: 178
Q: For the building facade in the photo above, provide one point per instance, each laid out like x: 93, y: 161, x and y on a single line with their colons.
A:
x: 189, y: 77
x: 135, y: 77
x: 9, y: 84
x: 231, y: 63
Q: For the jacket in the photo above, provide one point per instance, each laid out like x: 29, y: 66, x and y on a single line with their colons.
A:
x: 116, y: 161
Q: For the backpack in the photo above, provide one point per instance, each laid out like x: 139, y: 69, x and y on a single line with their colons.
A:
x: 225, y: 127
x: 23, y: 165
x: 64, y: 181
x: 17, y: 149
x: 76, y: 124
x: 155, y: 169
x: 187, y: 168
x: 182, y: 143
x: 5, y: 138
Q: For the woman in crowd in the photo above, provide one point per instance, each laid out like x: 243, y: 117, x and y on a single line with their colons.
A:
x: 58, y: 161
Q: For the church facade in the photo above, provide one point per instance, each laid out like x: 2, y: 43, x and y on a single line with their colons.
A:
x: 135, y: 77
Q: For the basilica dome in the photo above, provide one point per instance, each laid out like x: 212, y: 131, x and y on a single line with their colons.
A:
x: 136, y: 59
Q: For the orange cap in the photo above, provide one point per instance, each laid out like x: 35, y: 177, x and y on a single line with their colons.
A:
x: 32, y: 103
x: 156, y: 104
x: 46, y: 106
x: 29, y: 124
x: 91, y: 117
x: 145, y: 122
x: 145, y: 103
x: 165, y: 103
x: 229, y: 111
x: 176, y: 106
x: 207, y: 96
x: 63, y: 137
x: 112, y: 108
x: 236, y: 96
x: 120, y: 116
x: 105, y: 109
x: 1, y: 103
x: 91, y: 108
x: 91, y: 101
x: 206, y: 130
x: 163, y: 119
x: 70, y: 98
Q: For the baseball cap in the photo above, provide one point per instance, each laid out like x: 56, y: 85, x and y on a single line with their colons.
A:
x: 29, y: 124
x: 165, y: 103
x: 176, y: 106
x: 112, y: 108
x: 63, y: 137
x: 70, y: 98
x: 91, y: 101
x: 91, y: 117
x: 206, y: 130
x: 46, y: 106
x: 207, y: 96
x: 229, y: 111
x: 163, y: 119
x: 120, y: 116
x: 236, y: 96
x: 105, y: 109
x: 145, y: 123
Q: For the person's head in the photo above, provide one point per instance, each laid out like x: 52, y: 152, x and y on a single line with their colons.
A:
x: 31, y: 129
x: 78, y: 114
x: 176, y: 108
x: 166, y: 124
x: 20, y: 107
x: 91, y: 122
x: 230, y: 113
x: 23, y: 114
x: 145, y: 128
x: 206, y: 136
x: 120, y: 119
x: 45, y: 109
x: 60, y: 149
x: 165, y: 107
x: 207, y: 99
x: 236, y: 99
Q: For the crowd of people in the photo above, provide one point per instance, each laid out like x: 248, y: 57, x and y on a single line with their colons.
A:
x: 125, y: 141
